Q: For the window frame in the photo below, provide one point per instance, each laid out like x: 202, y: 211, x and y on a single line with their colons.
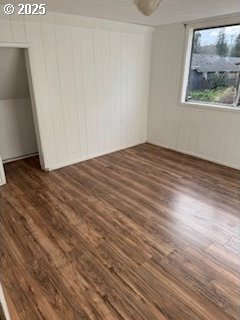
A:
x: 187, y: 58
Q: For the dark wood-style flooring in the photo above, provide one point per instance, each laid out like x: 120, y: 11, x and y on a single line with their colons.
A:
x: 141, y: 234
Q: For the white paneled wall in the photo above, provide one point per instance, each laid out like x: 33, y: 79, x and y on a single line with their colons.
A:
x: 211, y: 134
x: 91, y: 83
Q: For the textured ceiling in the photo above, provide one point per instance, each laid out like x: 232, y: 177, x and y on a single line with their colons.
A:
x: 170, y: 11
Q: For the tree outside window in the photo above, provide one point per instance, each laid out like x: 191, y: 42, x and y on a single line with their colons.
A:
x: 214, y: 75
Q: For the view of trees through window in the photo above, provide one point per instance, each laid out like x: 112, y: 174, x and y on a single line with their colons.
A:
x: 214, y: 75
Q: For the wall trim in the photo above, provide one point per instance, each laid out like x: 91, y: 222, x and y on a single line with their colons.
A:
x: 196, y: 155
x: 16, y: 45
x: 21, y: 157
x: 92, y: 156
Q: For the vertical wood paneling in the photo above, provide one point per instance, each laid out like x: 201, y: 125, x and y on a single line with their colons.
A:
x: 42, y: 89
x: 17, y: 27
x: 54, y: 91
x: 76, y: 39
x: 6, y: 32
x: 207, y: 133
x: 115, y: 85
x: 67, y: 88
x: 91, y: 82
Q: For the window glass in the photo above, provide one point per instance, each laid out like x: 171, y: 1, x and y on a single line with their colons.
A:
x: 214, y: 75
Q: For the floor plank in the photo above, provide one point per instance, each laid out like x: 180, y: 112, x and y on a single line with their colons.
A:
x: 144, y: 233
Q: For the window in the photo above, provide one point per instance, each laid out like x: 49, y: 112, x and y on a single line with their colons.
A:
x: 213, y: 67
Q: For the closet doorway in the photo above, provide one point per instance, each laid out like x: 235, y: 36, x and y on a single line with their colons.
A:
x: 19, y: 133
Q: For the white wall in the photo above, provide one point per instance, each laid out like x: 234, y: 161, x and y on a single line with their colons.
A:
x: 91, y: 83
x: 212, y: 134
x: 17, y: 133
x: 13, y: 79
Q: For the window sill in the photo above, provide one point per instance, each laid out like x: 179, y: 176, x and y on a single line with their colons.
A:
x: 209, y: 106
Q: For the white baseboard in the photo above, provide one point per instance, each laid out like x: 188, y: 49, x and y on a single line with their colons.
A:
x: 196, y: 155
x: 92, y: 156
x: 21, y: 157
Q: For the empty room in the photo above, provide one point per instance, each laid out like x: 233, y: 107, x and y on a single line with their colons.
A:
x: 120, y: 160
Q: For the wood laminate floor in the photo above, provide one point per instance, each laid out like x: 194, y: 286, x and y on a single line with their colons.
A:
x: 141, y: 234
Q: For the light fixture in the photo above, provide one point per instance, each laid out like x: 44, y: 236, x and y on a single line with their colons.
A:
x: 147, y: 7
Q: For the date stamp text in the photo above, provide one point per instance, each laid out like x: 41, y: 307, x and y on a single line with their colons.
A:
x: 25, y: 9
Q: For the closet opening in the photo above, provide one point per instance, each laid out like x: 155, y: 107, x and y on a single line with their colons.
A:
x: 19, y: 133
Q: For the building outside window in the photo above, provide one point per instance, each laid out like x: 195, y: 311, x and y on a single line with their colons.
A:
x: 214, y: 66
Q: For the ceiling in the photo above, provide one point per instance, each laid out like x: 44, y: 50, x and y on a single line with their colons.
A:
x: 170, y: 11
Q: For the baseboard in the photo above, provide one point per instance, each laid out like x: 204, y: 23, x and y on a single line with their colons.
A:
x: 196, y: 155
x: 21, y: 157
x: 92, y: 156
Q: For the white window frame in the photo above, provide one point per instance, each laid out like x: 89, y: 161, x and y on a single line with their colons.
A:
x: 227, y: 21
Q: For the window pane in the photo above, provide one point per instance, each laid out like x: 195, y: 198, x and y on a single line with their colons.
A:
x: 215, y: 66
